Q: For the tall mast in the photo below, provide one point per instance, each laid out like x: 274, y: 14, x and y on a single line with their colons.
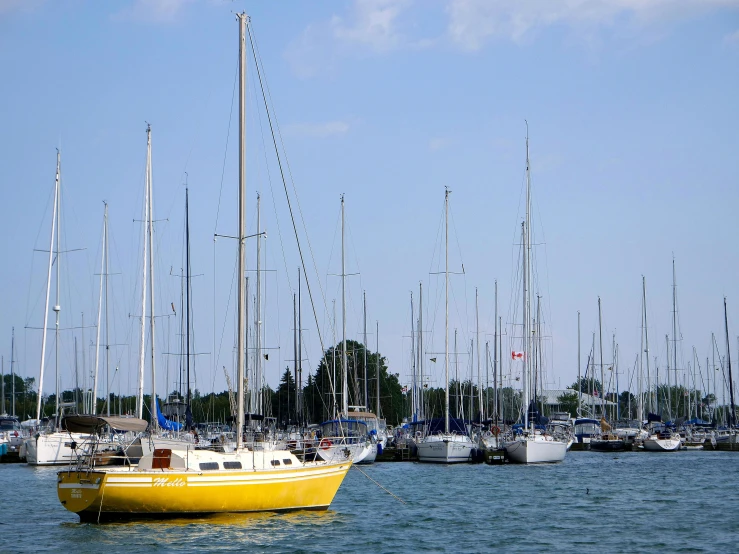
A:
x: 258, y: 315
x: 48, y: 289
x: 344, y: 374
x: 364, y: 301
x: 527, y: 287
x: 144, y: 282
x: 57, y: 307
x: 477, y: 341
x: 640, y: 400
x: 299, y: 382
x: 187, y: 292
x: 579, y: 379
x: 12, y: 372
x: 86, y: 408
x: 107, y: 326
x: 100, y: 314
x: 732, y: 413
x: 602, y: 374
x: 2, y: 385
x: 674, y: 327
x: 152, y: 319
x: 414, y: 380
x: 295, y: 350
x: 333, y: 356
x: 446, y: 311
x: 495, y: 357
x: 646, y: 344
x: 241, y: 300
x: 421, y: 355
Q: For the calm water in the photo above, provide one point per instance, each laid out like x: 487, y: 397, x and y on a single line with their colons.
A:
x: 661, y: 502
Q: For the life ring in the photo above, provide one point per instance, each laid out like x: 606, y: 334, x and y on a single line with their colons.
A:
x: 325, y: 444
x: 495, y: 430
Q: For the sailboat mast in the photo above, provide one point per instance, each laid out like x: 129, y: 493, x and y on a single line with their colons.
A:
x: 12, y: 371
x: 57, y: 307
x: 674, y: 326
x: 495, y: 357
x: 48, y: 290
x: 144, y: 281
x: 526, y: 287
x: 477, y: 340
x: 187, y: 291
x: 414, y: 380
x: 107, y: 326
x: 446, y: 312
x: 421, y: 409
x: 344, y: 375
x: 299, y: 382
x: 100, y: 314
x: 152, y: 319
x: 258, y: 315
x: 732, y: 413
x: 241, y: 297
x: 646, y: 343
x: 602, y: 374
x: 364, y: 302
x: 579, y: 380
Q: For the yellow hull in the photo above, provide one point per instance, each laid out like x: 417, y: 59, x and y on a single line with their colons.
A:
x: 102, y: 495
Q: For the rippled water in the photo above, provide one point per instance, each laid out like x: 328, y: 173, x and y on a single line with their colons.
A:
x: 626, y: 502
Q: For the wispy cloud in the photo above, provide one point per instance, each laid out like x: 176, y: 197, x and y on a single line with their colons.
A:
x: 317, y: 130
x: 371, y: 26
x: 11, y: 6
x: 153, y: 11
x: 732, y: 38
x: 439, y: 143
x: 472, y: 23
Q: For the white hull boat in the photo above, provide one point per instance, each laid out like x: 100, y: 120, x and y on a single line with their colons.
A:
x: 538, y: 449
x: 53, y: 448
x: 659, y: 443
x: 445, y: 449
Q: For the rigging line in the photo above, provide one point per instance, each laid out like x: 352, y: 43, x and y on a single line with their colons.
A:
x: 379, y: 485
x: 225, y: 150
x: 287, y: 196
x: 255, y: 51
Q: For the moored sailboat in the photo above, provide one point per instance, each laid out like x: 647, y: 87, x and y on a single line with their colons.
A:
x: 446, y: 445
x: 531, y: 446
x: 168, y: 483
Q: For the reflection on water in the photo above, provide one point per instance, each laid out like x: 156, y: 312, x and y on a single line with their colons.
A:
x: 449, y: 508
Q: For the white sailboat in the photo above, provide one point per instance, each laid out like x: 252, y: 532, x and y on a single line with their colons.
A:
x: 345, y: 438
x: 531, y: 446
x: 446, y: 447
x: 50, y: 445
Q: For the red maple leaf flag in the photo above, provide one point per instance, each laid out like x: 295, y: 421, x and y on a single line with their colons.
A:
x: 517, y: 355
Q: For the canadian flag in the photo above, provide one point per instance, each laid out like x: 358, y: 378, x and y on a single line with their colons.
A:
x: 517, y: 355
x: 595, y: 392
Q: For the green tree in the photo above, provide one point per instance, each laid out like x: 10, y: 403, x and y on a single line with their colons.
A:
x: 568, y: 403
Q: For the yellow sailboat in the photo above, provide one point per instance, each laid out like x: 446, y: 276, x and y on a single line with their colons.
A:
x: 196, y: 482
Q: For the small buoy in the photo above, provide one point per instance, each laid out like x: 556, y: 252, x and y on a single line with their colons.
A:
x: 587, y: 491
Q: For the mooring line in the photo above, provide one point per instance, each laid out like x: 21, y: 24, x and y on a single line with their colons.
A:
x: 379, y: 485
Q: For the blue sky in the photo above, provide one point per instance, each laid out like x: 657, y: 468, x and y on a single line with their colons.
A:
x: 632, y: 117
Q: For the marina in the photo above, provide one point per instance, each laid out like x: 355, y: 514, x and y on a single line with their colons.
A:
x: 504, y: 498
x: 263, y: 300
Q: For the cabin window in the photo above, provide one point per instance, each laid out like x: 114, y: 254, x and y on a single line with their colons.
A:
x: 287, y: 461
x: 206, y: 466
x: 231, y: 465
x: 275, y: 462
